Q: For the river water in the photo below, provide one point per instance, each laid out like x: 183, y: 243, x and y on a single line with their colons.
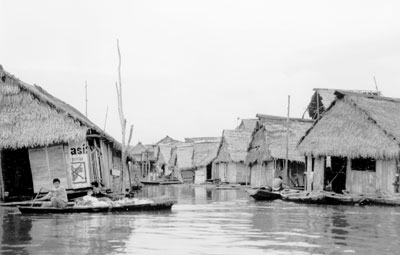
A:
x: 207, y: 221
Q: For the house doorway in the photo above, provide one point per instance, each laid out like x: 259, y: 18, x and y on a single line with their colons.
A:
x: 335, y: 174
x: 17, y: 175
x: 209, y: 172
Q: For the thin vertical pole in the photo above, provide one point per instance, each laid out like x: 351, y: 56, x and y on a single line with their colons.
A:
x: 105, y: 121
x: 86, y: 100
x: 287, y: 142
x: 317, y: 105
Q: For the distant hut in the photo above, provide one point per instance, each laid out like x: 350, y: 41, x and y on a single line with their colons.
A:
x: 355, y: 145
x: 203, y: 140
x: 42, y: 138
x: 181, y: 162
x: 230, y: 162
x: 144, y: 160
x: 163, y: 152
x: 204, y: 155
x: 267, y: 151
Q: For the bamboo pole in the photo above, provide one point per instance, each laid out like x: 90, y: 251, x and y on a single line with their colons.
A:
x: 105, y: 121
x: 287, y: 142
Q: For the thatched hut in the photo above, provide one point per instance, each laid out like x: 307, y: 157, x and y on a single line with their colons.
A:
x: 267, y: 151
x: 181, y: 162
x: 163, y: 152
x: 355, y: 145
x: 203, y: 157
x: 144, y: 159
x: 230, y: 162
x: 42, y: 138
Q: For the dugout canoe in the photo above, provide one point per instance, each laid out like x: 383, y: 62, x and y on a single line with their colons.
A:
x: 264, y: 195
x: 154, y: 206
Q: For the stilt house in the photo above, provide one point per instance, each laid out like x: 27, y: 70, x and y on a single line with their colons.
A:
x: 354, y: 145
x: 203, y: 157
x: 182, y: 162
x: 42, y: 137
x: 230, y: 162
x: 273, y: 138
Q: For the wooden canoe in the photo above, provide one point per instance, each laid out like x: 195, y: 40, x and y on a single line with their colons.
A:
x: 154, y: 206
x: 262, y: 194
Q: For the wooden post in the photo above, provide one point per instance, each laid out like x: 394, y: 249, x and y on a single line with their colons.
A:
x: 287, y: 144
x: 1, y: 179
x: 122, y: 120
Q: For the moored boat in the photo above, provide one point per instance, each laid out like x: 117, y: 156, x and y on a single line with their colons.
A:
x: 147, y: 206
x: 263, y: 194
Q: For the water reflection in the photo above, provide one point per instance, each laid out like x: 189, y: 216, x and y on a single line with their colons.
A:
x: 208, y: 221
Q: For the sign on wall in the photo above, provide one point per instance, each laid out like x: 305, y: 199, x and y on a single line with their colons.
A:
x: 79, y: 164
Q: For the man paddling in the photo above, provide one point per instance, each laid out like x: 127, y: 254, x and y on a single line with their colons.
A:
x: 58, y: 196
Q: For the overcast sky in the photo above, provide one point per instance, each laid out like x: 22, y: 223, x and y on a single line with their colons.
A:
x: 191, y: 68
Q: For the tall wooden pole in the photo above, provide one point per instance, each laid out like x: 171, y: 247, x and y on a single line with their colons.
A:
x: 123, y: 122
x: 86, y: 101
x: 287, y: 142
x: 105, y: 121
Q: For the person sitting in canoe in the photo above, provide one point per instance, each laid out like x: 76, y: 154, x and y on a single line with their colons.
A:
x: 90, y: 200
x: 277, y: 184
x: 58, y: 196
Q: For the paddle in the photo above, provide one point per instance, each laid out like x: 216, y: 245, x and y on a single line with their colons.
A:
x: 37, y: 194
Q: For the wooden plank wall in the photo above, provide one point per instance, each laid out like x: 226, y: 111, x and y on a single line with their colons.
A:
x: 242, y: 173
x: 309, y: 174
x: 368, y: 182
x: 48, y: 163
x: 231, y: 172
x: 319, y: 174
x: 200, y: 175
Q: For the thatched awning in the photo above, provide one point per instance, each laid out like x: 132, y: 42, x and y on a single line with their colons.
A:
x: 270, y: 141
x: 234, y: 146
x: 31, y: 117
x: 247, y: 125
x: 356, y: 125
x: 182, y: 156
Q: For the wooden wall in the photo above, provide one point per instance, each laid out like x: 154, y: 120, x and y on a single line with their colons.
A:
x: 48, y: 163
x: 200, y: 175
x: 242, y: 173
x: 319, y: 174
x: 369, y: 182
x: 1, y: 180
x: 262, y: 175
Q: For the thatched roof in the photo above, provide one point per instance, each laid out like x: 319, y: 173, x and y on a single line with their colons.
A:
x: 356, y: 125
x: 164, y: 154
x: 205, y: 153
x: 168, y: 141
x: 247, y: 125
x: 327, y: 96
x: 182, y: 156
x: 234, y: 146
x: 203, y: 140
x: 270, y: 141
x: 31, y: 117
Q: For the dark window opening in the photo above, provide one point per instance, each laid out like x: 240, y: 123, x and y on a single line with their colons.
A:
x: 363, y: 164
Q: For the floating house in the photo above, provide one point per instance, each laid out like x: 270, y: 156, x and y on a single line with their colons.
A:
x: 354, y: 145
x: 273, y: 139
x: 230, y: 162
x: 181, y: 162
x: 204, y: 154
x: 143, y: 158
x: 163, y: 152
x: 42, y: 137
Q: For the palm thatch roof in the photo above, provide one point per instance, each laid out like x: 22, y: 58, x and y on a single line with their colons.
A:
x: 168, y: 141
x: 356, y: 125
x: 247, y: 125
x: 136, y: 151
x: 182, y: 156
x: 203, y: 140
x: 31, y: 117
x: 205, y: 153
x: 164, y: 154
x: 234, y: 146
x: 270, y: 141
x: 326, y: 97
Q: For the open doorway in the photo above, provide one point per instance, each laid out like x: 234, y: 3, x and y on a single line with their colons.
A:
x: 209, y: 172
x: 17, y: 175
x: 335, y: 174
